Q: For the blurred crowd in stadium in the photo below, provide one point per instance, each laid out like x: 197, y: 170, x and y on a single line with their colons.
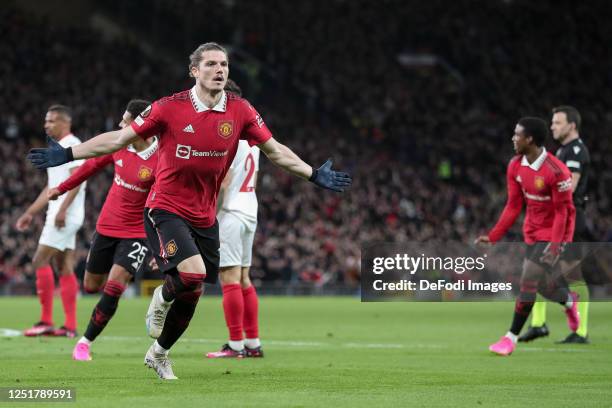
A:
x: 418, y: 102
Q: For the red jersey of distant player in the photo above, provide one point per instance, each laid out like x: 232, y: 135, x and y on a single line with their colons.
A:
x: 197, y: 146
x: 546, y: 186
x: 122, y: 214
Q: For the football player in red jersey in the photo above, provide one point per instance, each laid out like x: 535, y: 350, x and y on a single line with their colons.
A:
x: 538, y: 178
x: 199, y: 131
x: 118, y: 247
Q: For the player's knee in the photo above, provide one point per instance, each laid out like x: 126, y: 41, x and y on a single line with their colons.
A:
x: 193, y: 285
x: 91, y: 287
x: 192, y: 282
x: 40, y: 260
x: 229, y: 275
x: 245, y: 282
x: 119, y: 274
x: 92, y: 284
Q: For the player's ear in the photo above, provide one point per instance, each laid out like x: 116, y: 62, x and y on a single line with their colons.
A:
x: 193, y: 72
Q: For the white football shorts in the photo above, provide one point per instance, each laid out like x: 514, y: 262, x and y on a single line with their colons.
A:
x: 62, y: 239
x: 236, y: 237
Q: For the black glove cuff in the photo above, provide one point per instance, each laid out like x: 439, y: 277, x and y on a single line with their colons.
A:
x: 314, y: 175
x: 69, y: 154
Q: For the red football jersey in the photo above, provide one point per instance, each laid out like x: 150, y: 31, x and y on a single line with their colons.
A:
x: 546, y: 186
x: 122, y: 214
x: 197, y: 146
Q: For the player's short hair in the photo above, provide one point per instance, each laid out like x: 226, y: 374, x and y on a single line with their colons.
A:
x: 63, y: 110
x: 536, y: 128
x: 232, y: 86
x: 136, y: 106
x: 571, y: 113
x: 196, y: 57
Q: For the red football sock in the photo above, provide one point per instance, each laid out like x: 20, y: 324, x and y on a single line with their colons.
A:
x: 45, y: 285
x: 233, y: 308
x: 251, y: 312
x: 68, y: 289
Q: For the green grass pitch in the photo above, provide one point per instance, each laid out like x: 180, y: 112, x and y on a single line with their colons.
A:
x: 320, y: 352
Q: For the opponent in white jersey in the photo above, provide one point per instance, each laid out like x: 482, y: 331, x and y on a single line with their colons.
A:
x: 58, y: 238
x: 237, y: 223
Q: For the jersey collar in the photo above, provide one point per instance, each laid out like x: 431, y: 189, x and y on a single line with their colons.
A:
x: 146, y: 153
x: 64, y: 139
x: 537, y: 162
x: 199, y: 106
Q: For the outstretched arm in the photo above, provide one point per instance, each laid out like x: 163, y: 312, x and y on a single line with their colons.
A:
x: 286, y: 159
x: 105, y: 143
x: 56, y: 155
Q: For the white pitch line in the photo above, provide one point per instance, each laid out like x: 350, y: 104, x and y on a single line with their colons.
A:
x: 4, y: 332
x: 10, y: 333
x: 556, y: 350
x: 283, y: 343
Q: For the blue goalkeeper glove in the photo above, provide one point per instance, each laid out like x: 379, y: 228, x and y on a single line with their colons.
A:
x: 54, y: 155
x: 330, y: 179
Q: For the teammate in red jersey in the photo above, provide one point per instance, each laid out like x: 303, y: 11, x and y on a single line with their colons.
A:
x: 199, y: 132
x: 538, y: 178
x: 118, y: 247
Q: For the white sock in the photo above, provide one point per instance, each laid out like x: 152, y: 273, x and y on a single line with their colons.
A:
x: 159, y: 349
x: 252, y: 343
x: 512, y: 337
x: 84, y: 340
x: 570, y: 301
x: 236, y: 345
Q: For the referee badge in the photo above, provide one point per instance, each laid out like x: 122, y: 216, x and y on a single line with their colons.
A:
x: 226, y: 128
x: 171, y: 248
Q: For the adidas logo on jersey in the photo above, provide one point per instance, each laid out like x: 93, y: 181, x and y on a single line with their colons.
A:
x: 189, y: 129
x: 119, y: 162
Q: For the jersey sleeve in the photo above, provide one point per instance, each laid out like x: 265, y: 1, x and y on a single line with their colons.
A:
x: 150, y: 122
x: 576, y: 159
x: 564, y: 209
x: 88, y: 169
x: 514, y: 205
x: 255, y: 130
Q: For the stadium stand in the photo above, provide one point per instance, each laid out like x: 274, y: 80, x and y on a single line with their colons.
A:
x: 427, y: 145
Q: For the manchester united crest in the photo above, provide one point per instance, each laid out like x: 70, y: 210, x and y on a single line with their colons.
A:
x: 144, y: 173
x: 539, y: 182
x: 226, y: 128
x: 171, y: 248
